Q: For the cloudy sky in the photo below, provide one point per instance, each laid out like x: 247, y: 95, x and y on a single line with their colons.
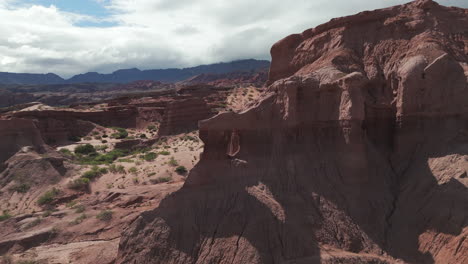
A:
x: 75, y: 36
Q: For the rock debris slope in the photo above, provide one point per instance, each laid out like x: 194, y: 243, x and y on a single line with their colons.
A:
x: 357, y: 153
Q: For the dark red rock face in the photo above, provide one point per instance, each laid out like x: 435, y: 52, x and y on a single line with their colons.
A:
x: 17, y: 133
x: 183, y: 116
x: 357, y: 153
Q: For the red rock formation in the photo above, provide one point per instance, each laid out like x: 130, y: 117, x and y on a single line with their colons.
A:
x: 17, y: 133
x: 183, y: 116
x: 356, y: 154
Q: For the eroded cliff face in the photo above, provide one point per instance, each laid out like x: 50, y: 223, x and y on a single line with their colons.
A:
x: 357, y: 153
x: 17, y: 133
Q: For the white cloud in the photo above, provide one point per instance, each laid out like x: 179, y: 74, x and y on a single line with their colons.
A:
x: 158, y: 33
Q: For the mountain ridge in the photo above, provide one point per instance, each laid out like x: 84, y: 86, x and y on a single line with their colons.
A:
x: 135, y: 74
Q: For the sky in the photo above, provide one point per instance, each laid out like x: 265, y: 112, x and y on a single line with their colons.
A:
x: 68, y: 37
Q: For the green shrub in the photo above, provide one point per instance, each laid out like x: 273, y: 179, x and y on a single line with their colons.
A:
x: 5, y: 216
x: 117, y: 169
x: 79, y: 184
x: 126, y: 160
x: 101, y: 147
x: 143, y: 136
x: 173, y: 162
x: 164, y: 152
x: 181, y: 170
x: 133, y: 170
x: 150, y: 156
x: 105, y: 136
x: 48, y: 197
x: 151, y: 127
x: 108, y: 158
x: 120, y: 133
x: 85, y: 149
x: 161, y: 179
x: 104, y: 141
x: 66, y: 152
x: 21, y: 188
x: 87, y: 138
x: 79, y: 219
x: 105, y: 215
x: 90, y: 175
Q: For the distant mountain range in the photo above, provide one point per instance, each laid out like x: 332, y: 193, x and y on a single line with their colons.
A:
x: 130, y: 75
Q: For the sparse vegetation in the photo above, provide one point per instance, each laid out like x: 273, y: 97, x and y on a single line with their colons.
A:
x: 20, y: 187
x: 150, y: 156
x: 105, y: 215
x: 79, y: 219
x: 102, y: 147
x: 5, y: 216
x: 107, y: 158
x: 79, y: 184
x: 117, y: 169
x: 66, y: 152
x: 126, y: 160
x: 173, y: 162
x: 133, y: 170
x: 79, y: 208
x: 181, y: 170
x: 164, y: 153
x: 34, y: 223
x: 85, y: 149
x: 161, y: 179
x: 120, y: 133
x: 48, y: 197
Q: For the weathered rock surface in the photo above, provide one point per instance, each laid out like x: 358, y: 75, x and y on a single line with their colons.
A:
x: 17, y: 133
x: 356, y: 154
x: 183, y: 116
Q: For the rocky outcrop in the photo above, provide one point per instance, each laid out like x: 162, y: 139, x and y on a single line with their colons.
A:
x: 17, y: 133
x: 357, y: 152
x: 183, y: 116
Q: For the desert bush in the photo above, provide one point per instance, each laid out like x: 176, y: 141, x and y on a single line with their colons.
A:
x: 133, y: 170
x: 20, y: 187
x: 5, y: 216
x: 161, y: 179
x: 85, y: 149
x: 150, y: 156
x: 48, y: 196
x: 66, y: 152
x: 120, y: 133
x: 143, y: 136
x: 117, y: 169
x: 164, y: 153
x: 79, y: 184
x: 173, y: 162
x: 105, y: 215
x: 102, y: 147
x: 181, y: 170
x: 79, y: 219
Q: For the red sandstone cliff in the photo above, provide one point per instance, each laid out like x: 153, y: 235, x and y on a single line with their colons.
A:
x: 357, y: 153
